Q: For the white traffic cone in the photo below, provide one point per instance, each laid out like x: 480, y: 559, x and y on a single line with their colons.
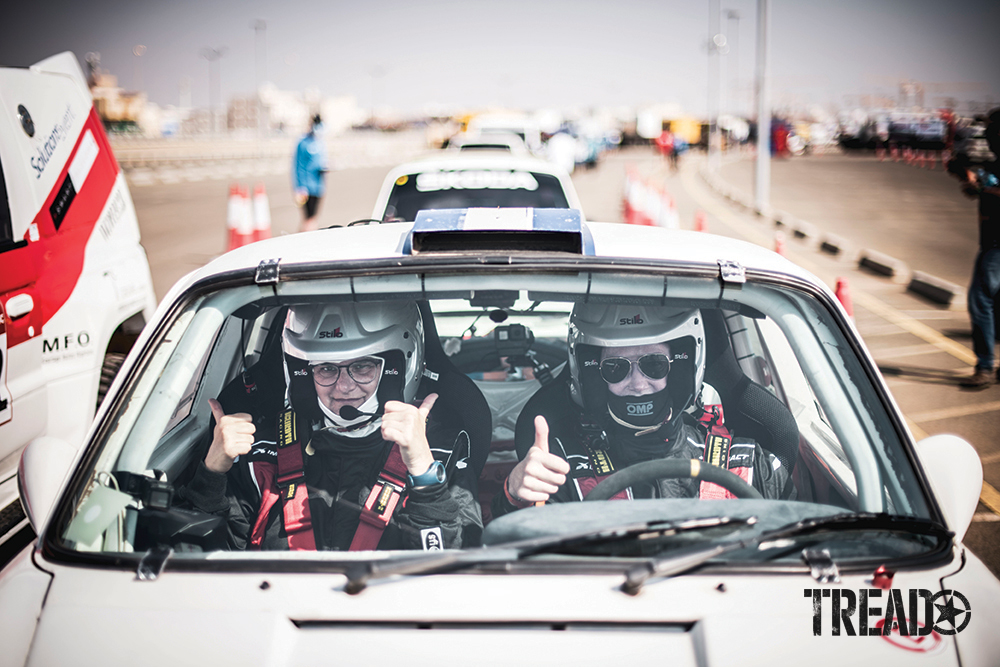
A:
x: 261, y: 213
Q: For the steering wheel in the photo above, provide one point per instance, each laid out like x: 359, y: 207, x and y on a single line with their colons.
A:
x: 648, y: 471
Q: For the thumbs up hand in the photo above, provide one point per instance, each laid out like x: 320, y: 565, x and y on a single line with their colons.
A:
x: 540, y: 473
x: 233, y: 436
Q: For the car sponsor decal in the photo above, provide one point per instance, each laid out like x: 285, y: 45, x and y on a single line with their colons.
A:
x: 478, y: 179
x: 57, y: 237
x: 430, y: 539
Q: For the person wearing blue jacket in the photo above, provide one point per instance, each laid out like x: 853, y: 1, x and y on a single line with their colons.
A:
x: 309, y: 173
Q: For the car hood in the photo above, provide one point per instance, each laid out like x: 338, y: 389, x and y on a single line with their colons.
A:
x: 100, y: 617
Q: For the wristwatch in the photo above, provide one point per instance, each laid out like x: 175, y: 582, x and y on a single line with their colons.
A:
x: 434, y: 475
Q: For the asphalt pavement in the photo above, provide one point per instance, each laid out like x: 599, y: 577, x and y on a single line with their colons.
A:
x: 916, y: 215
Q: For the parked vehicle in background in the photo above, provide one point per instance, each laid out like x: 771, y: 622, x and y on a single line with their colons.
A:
x: 509, y: 123
x: 472, y: 179
x: 502, y: 142
x: 75, y: 287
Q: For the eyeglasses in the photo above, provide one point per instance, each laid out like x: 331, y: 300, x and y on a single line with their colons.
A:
x: 362, y: 371
x: 653, y: 366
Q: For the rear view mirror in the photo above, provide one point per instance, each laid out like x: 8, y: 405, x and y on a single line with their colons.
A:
x: 44, y: 465
x: 956, y: 476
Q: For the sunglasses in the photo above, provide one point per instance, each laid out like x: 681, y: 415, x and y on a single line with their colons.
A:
x: 653, y: 366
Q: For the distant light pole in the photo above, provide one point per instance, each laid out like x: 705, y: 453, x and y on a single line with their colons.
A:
x: 213, y: 56
x: 736, y: 103
x: 762, y: 173
x: 716, y: 48
x: 138, y: 50
x: 260, y: 33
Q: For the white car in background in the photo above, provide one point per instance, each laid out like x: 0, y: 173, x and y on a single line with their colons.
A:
x: 502, y: 142
x: 471, y: 179
x: 509, y: 123
x: 859, y: 560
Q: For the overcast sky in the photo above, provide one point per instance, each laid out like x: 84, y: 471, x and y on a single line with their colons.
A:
x: 524, y: 53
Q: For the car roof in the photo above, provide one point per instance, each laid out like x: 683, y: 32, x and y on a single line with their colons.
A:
x: 643, y: 244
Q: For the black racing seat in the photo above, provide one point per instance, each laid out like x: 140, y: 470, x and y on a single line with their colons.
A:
x: 751, y: 411
x: 457, y: 393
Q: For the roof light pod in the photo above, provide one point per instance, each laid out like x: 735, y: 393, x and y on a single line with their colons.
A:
x: 500, y: 230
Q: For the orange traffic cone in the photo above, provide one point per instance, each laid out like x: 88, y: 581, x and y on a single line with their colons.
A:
x: 779, y: 243
x: 843, y: 293
x: 233, y: 213
x: 261, y: 214
x: 244, y: 232
x: 700, y: 225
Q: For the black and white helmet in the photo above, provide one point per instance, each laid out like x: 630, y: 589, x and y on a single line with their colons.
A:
x: 336, y: 332
x: 594, y: 326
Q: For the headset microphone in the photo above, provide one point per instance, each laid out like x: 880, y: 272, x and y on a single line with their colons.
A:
x: 349, y: 412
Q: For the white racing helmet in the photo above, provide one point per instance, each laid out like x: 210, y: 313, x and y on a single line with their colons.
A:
x: 594, y: 326
x: 336, y: 332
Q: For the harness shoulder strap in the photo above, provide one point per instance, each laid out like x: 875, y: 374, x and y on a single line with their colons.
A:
x: 595, y: 441
x: 383, y: 499
x: 287, y: 483
x: 718, y: 452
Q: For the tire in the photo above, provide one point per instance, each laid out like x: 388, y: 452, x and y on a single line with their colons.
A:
x: 109, y: 369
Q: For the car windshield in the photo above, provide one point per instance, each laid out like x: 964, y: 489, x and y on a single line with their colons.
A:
x: 668, y: 398
x: 468, y: 188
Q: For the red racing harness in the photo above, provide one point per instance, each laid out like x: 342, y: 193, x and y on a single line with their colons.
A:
x: 718, y: 452
x: 286, y: 482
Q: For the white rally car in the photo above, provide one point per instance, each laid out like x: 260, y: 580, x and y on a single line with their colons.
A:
x: 843, y: 545
x: 75, y: 287
x: 459, y: 179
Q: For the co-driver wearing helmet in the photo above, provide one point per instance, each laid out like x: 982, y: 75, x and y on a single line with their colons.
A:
x: 634, y: 372
x: 351, y: 373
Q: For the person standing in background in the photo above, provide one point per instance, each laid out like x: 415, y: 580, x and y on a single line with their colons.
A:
x: 982, y: 181
x: 309, y: 173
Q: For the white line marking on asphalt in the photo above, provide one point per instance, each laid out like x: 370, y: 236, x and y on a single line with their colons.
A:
x: 989, y: 496
x: 903, y: 351
x: 987, y: 517
x: 958, y: 411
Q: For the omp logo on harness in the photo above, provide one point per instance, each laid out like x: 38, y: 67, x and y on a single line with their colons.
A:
x: 640, y: 408
x: 336, y: 333
x: 631, y: 320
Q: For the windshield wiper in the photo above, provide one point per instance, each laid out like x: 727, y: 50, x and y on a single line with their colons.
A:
x: 693, y: 558
x: 358, y: 576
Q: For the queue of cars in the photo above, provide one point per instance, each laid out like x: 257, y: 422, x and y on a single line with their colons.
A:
x: 859, y: 558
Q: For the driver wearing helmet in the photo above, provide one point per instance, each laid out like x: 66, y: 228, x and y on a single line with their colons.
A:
x: 634, y: 395
x: 350, y: 460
